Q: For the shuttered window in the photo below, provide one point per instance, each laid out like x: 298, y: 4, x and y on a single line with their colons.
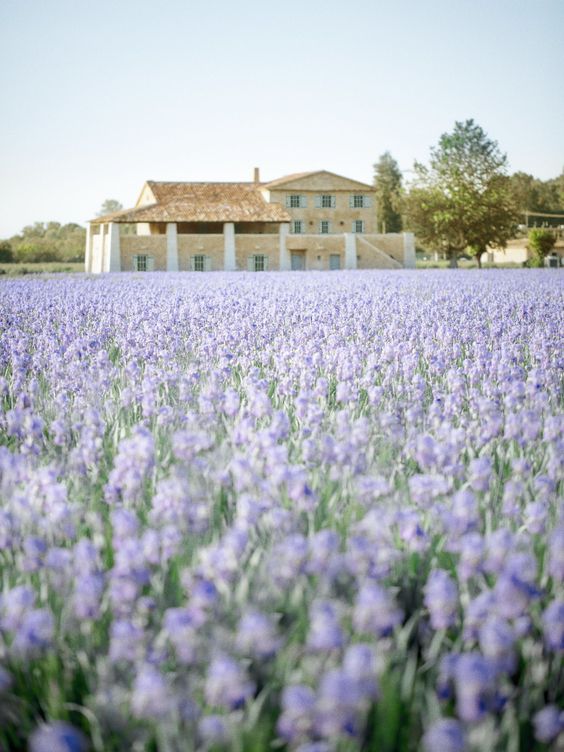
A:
x: 297, y: 227
x: 325, y: 227
x: 257, y: 263
x: 325, y: 201
x: 296, y: 201
x: 201, y: 263
x: 359, y: 201
x: 358, y: 225
x: 142, y: 262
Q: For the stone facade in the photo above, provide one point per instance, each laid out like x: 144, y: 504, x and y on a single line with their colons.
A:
x: 315, y: 221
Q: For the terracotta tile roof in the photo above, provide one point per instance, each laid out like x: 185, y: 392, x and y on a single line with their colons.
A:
x: 202, y: 202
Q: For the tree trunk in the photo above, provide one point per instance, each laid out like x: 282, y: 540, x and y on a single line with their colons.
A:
x: 454, y: 260
x: 479, y: 259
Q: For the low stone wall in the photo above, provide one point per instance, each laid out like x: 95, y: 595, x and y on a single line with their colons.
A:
x: 152, y: 245
x: 196, y: 245
x: 251, y: 245
x: 317, y: 250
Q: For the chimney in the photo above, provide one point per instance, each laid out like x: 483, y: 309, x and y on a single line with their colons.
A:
x: 256, y: 176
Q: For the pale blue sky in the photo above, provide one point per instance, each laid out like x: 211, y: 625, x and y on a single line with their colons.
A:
x: 99, y: 96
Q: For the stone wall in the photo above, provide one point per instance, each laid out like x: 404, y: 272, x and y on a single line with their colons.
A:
x: 341, y: 217
x: 196, y: 245
x: 152, y: 245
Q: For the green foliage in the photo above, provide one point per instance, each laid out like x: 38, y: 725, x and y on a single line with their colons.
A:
x: 49, y: 241
x: 462, y: 200
x: 541, y: 243
x: 534, y: 195
x: 109, y: 206
x: 6, y: 252
x: 388, y: 185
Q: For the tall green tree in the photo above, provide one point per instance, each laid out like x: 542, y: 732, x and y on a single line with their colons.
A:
x: 388, y: 186
x: 110, y: 206
x: 462, y: 201
x: 541, y: 243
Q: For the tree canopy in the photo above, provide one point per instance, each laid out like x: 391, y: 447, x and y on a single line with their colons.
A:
x: 109, y: 206
x: 388, y: 186
x: 49, y: 241
x: 462, y: 200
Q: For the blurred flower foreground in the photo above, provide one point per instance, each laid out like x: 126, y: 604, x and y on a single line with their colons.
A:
x: 314, y: 512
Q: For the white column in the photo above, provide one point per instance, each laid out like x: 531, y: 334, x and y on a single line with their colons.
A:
x: 99, y: 266
x: 408, y: 250
x: 350, y: 250
x: 171, y: 247
x: 285, y: 261
x: 113, y: 254
x: 229, y: 258
x: 88, y: 249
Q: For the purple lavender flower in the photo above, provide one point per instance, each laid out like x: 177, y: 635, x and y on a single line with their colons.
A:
x: 151, y: 697
x: 214, y: 729
x: 475, y: 687
x: 227, y: 684
x: 375, y: 611
x: 297, y: 717
x: 441, y: 598
x: 359, y: 662
x: 480, y: 474
x: 57, y: 737
x: 553, y: 625
x: 325, y: 632
x: 497, y: 641
x: 340, y: 705
x: 35, y: 632
x: 445, y: 735
x: 548, y: 722
x: 257, y: 635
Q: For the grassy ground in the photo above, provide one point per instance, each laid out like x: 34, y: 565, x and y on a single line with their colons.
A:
x: 51, y: 267
x: 463, y: 264
x: 58, y: 267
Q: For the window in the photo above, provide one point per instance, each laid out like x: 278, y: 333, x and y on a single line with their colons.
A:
x: 295, y: 201
x: 260, y: 263
x: 358, y: 201
x: 358, y: 225
x: 257, y: 263
x: 334, y: 262
x: 324, y: 227
x: 199, y: 263
x: 327, y: 201
x: 142, y: 263
x: 297, y: 226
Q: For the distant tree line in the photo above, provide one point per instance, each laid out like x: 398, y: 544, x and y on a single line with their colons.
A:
x: 464, y: 200
x: 45, y: 241
x: 50, y: 241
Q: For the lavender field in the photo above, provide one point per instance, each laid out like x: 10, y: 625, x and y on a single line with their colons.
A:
x: 314, y: 512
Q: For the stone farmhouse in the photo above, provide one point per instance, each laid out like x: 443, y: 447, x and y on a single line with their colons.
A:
x: 311, y: 220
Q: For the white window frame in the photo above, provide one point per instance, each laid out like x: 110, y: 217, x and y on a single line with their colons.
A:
x: 322, y: 224
x: 297, y: 227
x: 358, y: 226
x: 327, y: 201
